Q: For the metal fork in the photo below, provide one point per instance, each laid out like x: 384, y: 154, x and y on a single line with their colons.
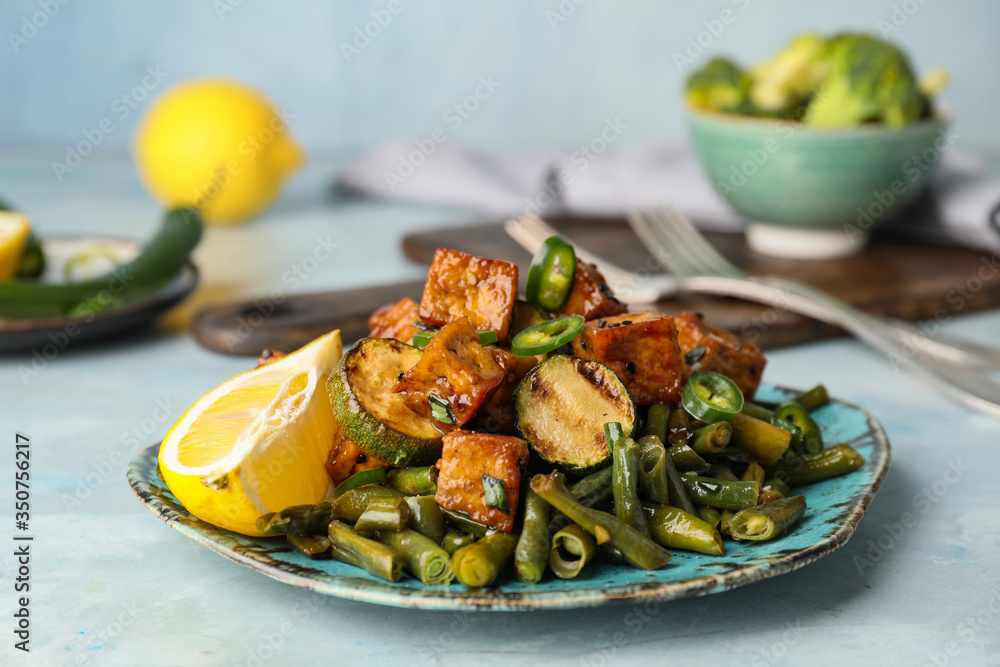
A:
x: 954, y: 365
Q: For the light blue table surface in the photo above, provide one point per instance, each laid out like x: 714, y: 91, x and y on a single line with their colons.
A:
x: 113, y: 585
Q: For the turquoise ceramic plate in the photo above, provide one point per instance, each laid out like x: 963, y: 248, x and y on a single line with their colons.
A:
x: 834, y: 509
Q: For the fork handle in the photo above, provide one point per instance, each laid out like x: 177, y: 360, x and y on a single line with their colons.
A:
x: 950, y: 368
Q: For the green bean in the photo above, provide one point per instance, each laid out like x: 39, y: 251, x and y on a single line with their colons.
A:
x: 464, y: 522
x: 384, y: 514
x: 720, y: 471
x: 311, y: 546
x: 657, y: 421
x: 479, y: 563
x: 810, y: 468
x: 812, y: 437
x: 768, y: 520
x: 677, y: 529
x: 712, y: 438
x: 684, y: 458
x: 754, y: 473
x: 774, y: 489
x: 725, y: 521
x: 374, y: 557
x: 677, y: 495
x: 352, y: 504
x: 426, y: 517
x: 652, y: 469
x: 764, y: 441
x: 454, y: 540
x: 625, y: 485
x: 416, y: 481
x: 757, y: 411
x: 710, y: 515
x: 720, y: 493
x: 297, y: 520
x: 679, y: 429
x: 572, y: 548
x: 593, y: 490
x: 359, y: 479
x: 532, y: 551
x: 637, y: 549
x: 422, y: 556
x: 814, y: 398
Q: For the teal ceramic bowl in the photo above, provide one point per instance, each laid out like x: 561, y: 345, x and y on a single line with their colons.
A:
x: 812, y: 192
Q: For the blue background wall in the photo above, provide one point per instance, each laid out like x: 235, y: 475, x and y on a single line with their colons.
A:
x: 559, y: 80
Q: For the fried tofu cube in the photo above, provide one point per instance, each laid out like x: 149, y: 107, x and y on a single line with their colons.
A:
x: 590, y: 295
x: 497, y: 414
x: 722, y: 352
x: 395, y: 320
x: 458, y: 370
x: 465, y: 458
x: 641, y: 348
x: 465, y: 286
x: 346, y: 459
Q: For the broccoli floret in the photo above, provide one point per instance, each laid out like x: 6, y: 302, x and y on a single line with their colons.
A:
x: 868, y: 81
x: 783, y: 84
x: 720, y: 85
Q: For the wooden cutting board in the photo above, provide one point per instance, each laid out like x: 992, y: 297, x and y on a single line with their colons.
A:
x: 892, y: 278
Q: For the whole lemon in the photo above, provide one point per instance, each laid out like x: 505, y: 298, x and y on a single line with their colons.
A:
x: 218, y: 145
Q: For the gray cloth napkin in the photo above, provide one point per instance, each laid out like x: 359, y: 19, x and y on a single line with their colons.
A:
x: 962, y: 207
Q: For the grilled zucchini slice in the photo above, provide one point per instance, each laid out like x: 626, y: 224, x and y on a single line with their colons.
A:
x: 561, y: 407
x: 371, y: 415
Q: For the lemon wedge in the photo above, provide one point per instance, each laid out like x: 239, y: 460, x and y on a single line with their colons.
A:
x: 256, y: 443
x: 14, y: 232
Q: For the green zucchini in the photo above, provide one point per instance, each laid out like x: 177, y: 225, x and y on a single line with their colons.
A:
x: 371, y: 415
x: 561, y: 407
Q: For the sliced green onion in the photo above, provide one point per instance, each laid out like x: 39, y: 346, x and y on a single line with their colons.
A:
x: 358, y: 479
x: 422, y: 338
x: 550, y: 278
x: 440, y: 410
x: 711, y: 397
x: 495, y: 492
x: 694, y: 356
x: 547, y: 336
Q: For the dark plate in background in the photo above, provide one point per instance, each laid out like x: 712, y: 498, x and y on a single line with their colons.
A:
x: 36, y: 334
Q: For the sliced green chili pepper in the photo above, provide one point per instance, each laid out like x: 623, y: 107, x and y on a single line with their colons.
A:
x: 711, y: 397
x: 422, y: 338
x: 546, y: 336
x: 550, y: 278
